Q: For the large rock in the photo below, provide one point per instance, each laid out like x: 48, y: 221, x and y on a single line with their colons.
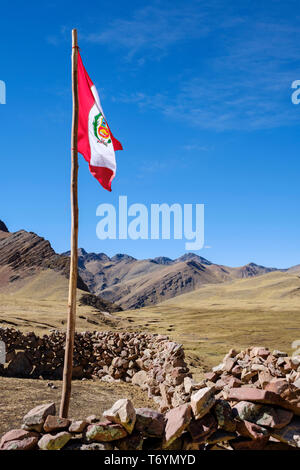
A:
x: 177, y: 420
x: 19, y: 439
x: 54, y: 442
x: 35, y: 418
x: 149, y: 422
x: 290, y: 434
x: 140, y: 379
x: 122, y: 412
x: 262, y: 415
x: 105, y: 432
x: 78, y: 427
x: 252, y: 431
x: 263, y: 396
x: 202, y: 401
x: 202, y: 428
x: 132, y: 442
x: 246, y: 410
x: 54, y: 423
x: 20, y: 366
x: 223, y: 412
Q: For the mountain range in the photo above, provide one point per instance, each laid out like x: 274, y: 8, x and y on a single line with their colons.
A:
x: 134, y: 283
x: 117, y: 282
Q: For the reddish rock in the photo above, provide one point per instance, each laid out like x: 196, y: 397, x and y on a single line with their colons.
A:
x: 234, y: 383
x: 122, y: 412
x: 35, y: 418
x: 201, y: 428
x: 166, y: 395
x: 211, y: 376
x: 177, y: 420
x: 264, y: 377
x: 54, y: 423
x: 202, y: 401
x: 178, y: 374
x: 149, y: 422
x: 237, y: 370
x: 78, y: 426
x: 259, y: 351
x: 229, y: 364
x: 263, y: 396
x: 252, y: 430
x: 19, y: 439
x: 277, y: 386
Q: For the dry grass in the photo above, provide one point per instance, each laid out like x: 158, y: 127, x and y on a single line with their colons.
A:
x: 18, y: 396
x: 42, y: 304
x: 208, y: 322
x: 215, y: 318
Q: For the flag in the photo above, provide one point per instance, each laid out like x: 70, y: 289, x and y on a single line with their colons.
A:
x: 95, y: 140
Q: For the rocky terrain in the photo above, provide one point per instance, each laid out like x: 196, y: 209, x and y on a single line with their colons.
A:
x: 251, y: 401
x: 133, y: 283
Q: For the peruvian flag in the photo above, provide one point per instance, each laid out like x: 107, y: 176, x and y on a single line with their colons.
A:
x: 95, y: 140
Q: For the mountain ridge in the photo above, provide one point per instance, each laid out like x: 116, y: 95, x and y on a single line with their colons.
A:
x: 135, y: 283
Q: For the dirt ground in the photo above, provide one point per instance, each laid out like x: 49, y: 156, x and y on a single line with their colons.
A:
x: 18, y: 396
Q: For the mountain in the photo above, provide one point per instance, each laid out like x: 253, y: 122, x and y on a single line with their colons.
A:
x: 25, y: 256
x: 134, y: 283
x: 3, y: 227
x: 294, y: 269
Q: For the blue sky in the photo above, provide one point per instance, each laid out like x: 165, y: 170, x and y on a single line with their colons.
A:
x: 198, y: 92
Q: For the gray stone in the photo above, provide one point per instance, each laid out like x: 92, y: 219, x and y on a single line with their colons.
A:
x: 35, y: 418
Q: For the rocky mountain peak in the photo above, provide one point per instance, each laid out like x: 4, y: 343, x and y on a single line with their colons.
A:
x: 3, y: 227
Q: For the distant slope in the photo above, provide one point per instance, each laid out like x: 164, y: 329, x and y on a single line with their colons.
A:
x: 136, y: 283
x: 209, y: 321
x: 294, y: 269
x: 272, y: 289
x: 25, y: 258
x: 41, y: 302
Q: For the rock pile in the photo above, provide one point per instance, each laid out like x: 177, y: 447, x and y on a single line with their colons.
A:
x: 150, y: 361
x: 251, y: 401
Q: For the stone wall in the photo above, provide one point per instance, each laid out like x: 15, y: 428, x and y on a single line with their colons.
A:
x: 251, y: 401
x: 151, y: 361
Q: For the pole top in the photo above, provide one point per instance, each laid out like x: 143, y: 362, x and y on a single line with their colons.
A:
x: 74, y: 38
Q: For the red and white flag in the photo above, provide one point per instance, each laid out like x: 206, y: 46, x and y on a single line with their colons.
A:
x: 95, y: 140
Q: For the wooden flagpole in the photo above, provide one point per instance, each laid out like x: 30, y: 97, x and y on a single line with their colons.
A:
x: 68, y: 363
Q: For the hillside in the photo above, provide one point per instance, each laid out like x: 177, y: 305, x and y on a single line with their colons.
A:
x: 24, y: 254
x: 34, y: 282
x: 213, y: 318
x: 134, y: 283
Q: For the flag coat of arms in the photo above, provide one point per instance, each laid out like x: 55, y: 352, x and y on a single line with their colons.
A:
x: 95, y: 140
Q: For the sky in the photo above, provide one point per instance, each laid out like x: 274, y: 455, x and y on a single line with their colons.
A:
x: 199, y: 94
